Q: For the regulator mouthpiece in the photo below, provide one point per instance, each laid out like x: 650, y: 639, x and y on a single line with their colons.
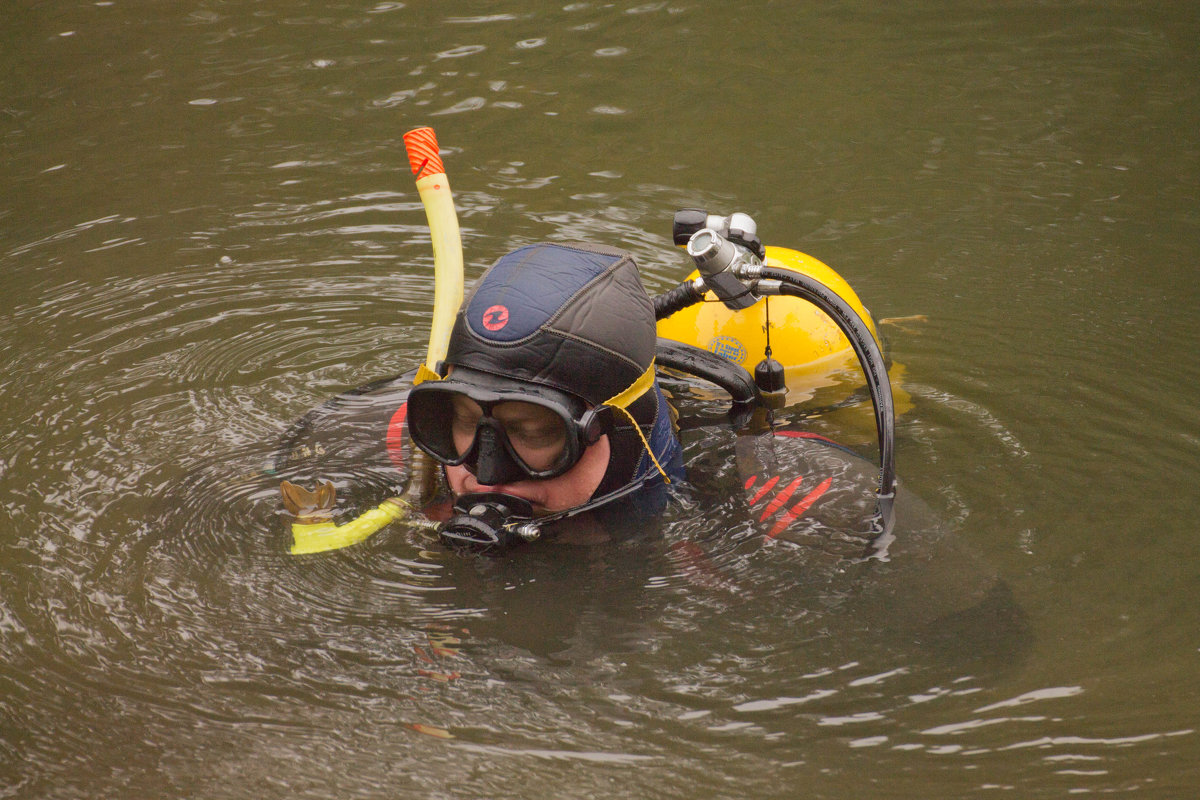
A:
x: 489, y: 522
x: 716, y: 259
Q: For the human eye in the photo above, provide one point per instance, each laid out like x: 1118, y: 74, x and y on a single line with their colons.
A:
x: 464, y: 415
x: 537, y: 433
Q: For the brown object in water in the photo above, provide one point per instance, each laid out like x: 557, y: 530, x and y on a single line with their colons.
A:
x: 309, y: 507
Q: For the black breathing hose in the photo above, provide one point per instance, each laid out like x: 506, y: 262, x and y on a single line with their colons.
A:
x: 709, y: 366
x: 684, y: 295
x: 865, y: 347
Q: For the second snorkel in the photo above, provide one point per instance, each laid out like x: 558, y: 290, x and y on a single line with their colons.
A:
x: 314, y: 530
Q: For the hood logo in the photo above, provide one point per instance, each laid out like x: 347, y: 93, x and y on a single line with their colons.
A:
x: 495, y: 318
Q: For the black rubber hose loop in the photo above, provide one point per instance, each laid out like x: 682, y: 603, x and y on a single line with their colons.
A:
x: 709, y: 366
x: 869, y: 356
x: 303, y: 426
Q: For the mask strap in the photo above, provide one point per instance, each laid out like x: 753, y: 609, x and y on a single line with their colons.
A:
x: 622, y: 400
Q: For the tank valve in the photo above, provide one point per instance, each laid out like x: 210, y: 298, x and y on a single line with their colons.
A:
x: 718, y: 260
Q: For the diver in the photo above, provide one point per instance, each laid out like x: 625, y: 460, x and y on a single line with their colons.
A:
x: 547, y: 418
x: 539, y: 400
x: 547, y: 407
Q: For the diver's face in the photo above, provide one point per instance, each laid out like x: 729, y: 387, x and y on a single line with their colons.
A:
x: 573, y: 488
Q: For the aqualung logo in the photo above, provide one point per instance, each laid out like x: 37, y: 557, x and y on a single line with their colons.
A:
x: 728, y: 347
x: 495, y: 318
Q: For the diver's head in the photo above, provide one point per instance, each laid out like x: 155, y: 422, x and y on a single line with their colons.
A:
x: 549, y: 367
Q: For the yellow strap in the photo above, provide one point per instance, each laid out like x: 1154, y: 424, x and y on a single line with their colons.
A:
x: 624, y: 399
x: 642, y: 436
x: 424, y: 373
x: 635, y: 389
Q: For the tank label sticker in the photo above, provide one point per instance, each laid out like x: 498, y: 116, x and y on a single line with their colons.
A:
x: 728, y: 347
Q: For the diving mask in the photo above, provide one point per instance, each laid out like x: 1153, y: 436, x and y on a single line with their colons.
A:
x: 501, y: 431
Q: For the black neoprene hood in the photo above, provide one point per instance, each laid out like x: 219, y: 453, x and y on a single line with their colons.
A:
x: 571, y: 317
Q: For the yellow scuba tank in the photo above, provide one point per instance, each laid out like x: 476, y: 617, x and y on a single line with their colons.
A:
x: 811, y: 347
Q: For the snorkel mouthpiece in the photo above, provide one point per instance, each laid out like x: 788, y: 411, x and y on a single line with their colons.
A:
x: 489, y: 522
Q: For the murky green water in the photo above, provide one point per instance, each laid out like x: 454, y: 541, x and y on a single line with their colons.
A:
x: 207, y: 227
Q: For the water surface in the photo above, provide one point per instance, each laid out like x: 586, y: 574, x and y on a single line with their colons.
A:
x: 207, y: 227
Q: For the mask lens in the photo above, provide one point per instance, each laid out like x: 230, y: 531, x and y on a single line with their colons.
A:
x: 537, y: 435
x: 465, y: 414
x: 535, y: 439
x: 431, y: 423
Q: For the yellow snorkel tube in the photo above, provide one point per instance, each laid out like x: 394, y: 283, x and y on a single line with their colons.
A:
x: 434, y: 188
x: 314, y: 530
